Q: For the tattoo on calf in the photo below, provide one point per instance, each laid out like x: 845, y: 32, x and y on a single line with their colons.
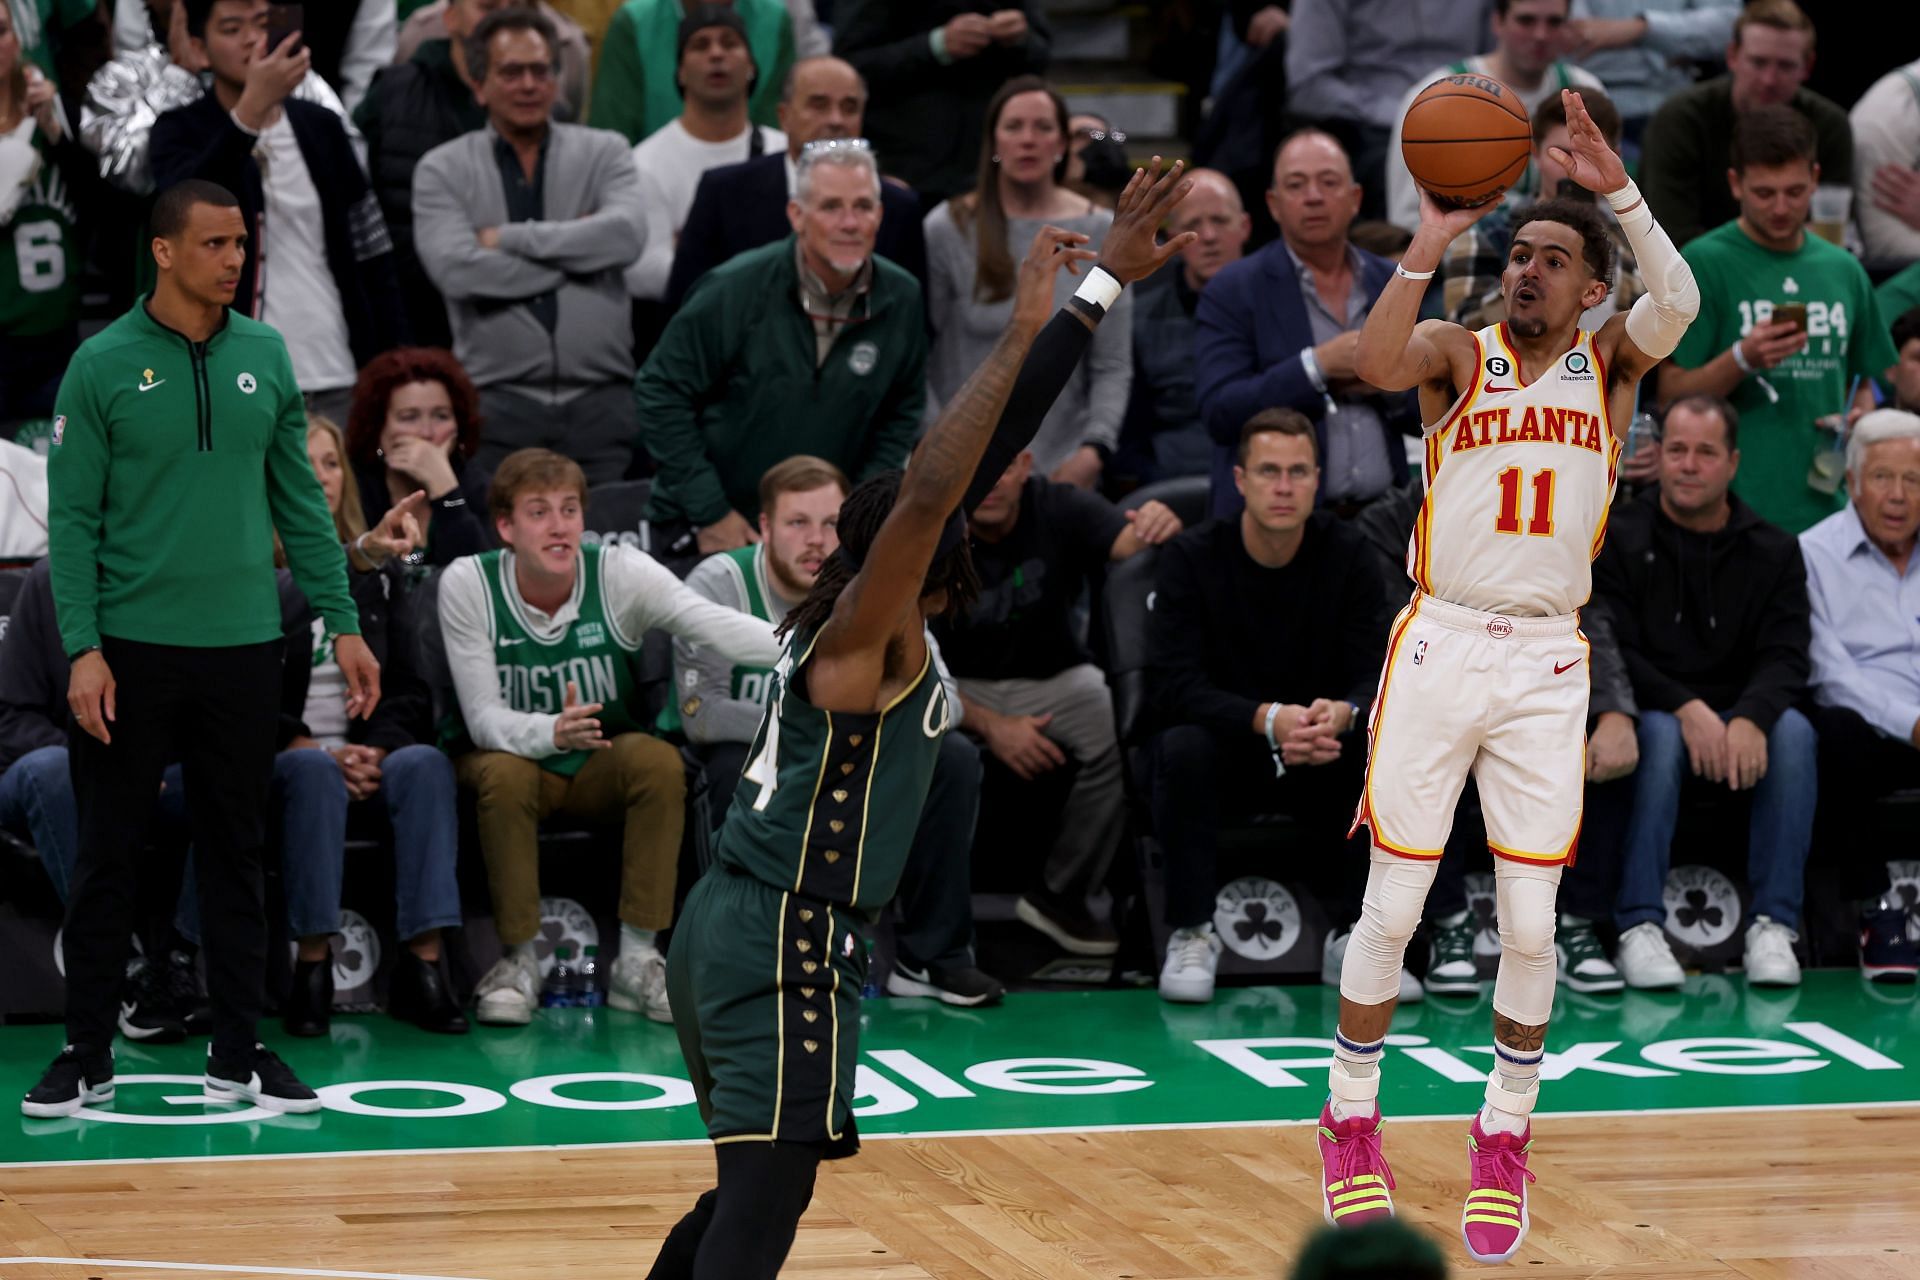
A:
x: 1515, y: 1036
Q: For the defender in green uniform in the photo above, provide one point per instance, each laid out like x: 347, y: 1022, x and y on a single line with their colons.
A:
x: 769, y: 953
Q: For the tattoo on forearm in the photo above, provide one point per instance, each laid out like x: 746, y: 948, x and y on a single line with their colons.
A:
x: 945, y: 461
x: 1515, y: 1036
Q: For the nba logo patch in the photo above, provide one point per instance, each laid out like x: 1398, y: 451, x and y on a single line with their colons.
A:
x: 59, y: 430
x: 1419, y: 652
x: 846, y: 946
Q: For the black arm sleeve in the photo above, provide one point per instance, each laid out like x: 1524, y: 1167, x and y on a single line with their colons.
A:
x: 1051, y: 360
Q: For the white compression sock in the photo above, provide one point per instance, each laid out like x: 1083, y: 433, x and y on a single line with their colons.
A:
x: 632, y: 937
x: 1354, y: 1079
x: 1512, y: 1088
x: 524, y: 950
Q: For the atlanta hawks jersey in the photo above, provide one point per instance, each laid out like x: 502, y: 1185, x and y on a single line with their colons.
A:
x: 1518, y: 484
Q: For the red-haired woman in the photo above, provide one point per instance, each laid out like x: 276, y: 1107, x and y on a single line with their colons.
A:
x: 414, y: 424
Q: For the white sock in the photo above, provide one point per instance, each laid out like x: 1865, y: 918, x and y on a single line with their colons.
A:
x: 637, y: 939
x: 1354, y: 1063
x: 1515, y: 1077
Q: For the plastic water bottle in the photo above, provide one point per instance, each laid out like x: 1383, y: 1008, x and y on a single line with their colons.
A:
x: 870, y: 989
x: 587, y: 992
x: 558, y: 991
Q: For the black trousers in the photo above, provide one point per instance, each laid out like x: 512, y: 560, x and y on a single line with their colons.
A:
x: 1858, y: 765
x: 1201, y: 778
x: 1586, y: 888
x: 744, y: 1227
x: 934, y: 925
x: 215, y: 711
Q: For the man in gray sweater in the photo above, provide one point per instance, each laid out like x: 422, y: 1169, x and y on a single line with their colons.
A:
x: 526, y: 227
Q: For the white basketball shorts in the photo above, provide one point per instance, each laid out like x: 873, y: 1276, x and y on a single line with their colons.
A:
x: 1504, y: 698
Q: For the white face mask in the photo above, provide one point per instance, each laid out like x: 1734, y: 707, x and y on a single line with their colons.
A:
x: 19, y: 166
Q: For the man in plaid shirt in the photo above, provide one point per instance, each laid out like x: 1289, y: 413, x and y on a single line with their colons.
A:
x: 1469, y: 274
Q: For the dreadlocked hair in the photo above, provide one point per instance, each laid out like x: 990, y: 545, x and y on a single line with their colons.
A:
x: 861, y: 515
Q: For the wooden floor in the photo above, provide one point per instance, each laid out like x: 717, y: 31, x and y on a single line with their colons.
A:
x: 1804, y: 1194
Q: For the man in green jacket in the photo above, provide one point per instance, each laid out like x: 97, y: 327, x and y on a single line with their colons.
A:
x: 808, y: 345
x: 179, y: 449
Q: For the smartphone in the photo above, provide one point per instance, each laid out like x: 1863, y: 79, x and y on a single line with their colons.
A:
x: 282, y: 21
x: 1794, y: 313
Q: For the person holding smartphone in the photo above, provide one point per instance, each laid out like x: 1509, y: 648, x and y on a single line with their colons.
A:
x: 1788, y: 324
x: 320, y: 263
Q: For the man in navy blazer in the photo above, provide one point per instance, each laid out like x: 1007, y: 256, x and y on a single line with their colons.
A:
x: 743, y: 206
x: 1278, y: 328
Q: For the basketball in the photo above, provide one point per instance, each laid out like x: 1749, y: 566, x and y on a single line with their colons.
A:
x: 1466, y: 139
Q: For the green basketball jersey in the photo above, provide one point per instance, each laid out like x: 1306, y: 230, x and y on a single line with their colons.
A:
x: 594, y: 654
x: 749, y: 568
x: 829, y: 800
x: 39, y: 264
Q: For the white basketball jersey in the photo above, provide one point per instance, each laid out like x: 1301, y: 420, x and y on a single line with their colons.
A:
x: 1518, y: 484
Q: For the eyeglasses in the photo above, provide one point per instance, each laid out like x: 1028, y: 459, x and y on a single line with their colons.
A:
x: 1100, y: 135
x: 538, y: 72
x: 837, y: 144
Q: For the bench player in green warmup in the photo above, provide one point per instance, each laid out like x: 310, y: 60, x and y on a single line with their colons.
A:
x: 768, y: 957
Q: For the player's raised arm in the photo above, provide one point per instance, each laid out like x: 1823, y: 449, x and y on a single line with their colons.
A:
x: 889, y: 582
x: 1647, y: 334
x: 1398, y: 350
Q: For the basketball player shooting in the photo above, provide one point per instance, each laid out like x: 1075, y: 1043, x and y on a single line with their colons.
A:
x: 1486, y: 668
x: 769, y: 953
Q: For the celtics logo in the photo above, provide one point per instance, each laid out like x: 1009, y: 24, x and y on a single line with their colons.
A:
x: 1257, y: 918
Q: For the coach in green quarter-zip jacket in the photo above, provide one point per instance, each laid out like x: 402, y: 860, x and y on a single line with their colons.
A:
x: 179, y: 448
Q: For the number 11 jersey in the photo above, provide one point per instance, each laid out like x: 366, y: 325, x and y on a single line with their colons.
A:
x: 1518, y: 481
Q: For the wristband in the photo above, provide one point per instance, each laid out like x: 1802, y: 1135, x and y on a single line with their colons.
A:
x: 1100, y: 290
x: 1311, y: 363
x: 1405, y: 274
x: 1740, y: 358
x: 1625, y: 198
x: 1279, y: 766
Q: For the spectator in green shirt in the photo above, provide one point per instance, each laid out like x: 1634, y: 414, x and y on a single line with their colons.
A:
x: 1784, y: 374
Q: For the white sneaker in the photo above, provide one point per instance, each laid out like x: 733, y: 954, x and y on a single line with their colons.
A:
x: 509, y: 993
x: 1769, y: 959
x: 1192, y: 957
x: 1646, y: 961
x: 639, y: 983
x: 1333, y: 954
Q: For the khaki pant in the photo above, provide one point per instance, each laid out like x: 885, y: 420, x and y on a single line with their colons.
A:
x: 638, y: 781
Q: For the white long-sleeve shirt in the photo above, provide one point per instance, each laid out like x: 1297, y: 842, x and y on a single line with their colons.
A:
x: 1886, y: 130
x: 639, y: 593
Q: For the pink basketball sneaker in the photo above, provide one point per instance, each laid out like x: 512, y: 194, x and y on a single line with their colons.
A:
x: 1495, y: 1221
x: 1354, y: 1173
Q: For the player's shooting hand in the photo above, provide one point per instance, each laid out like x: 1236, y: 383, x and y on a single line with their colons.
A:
x: 1614, y: 749
x: 1052, y: 249
x: 362, y: 672
x: 90, y: 691
x: 578, y: 728
x: 1132, y: 249
x: 1746, y: 754
x: 1706, y: 737
x: 1448, y: 219
x: 1587, y: 157
x: 1021, y: 743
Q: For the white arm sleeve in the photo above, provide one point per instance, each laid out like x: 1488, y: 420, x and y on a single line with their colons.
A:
x: 491, y: 723
x: 1672, y: 298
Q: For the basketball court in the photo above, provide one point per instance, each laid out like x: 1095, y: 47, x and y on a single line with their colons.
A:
x: 1712, y: 1132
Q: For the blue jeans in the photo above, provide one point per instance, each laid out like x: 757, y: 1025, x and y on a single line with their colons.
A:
x: 309, y: 797
x: 310, y: 794
x: 1779, y: 834
x: 418, y: 787
x: 36, y: 800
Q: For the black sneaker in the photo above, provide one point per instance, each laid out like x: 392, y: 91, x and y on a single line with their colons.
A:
x: 308, y: 1008
x: 968, y: 987
x: 188, y: 993
x: 1071, y: 926
x: 1887, y: 953
x: 75, y: 1080
x: 147, y: 1013
x: 266, y: 1082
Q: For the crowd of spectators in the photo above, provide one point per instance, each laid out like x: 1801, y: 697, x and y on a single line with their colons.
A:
x: 745, y: 251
